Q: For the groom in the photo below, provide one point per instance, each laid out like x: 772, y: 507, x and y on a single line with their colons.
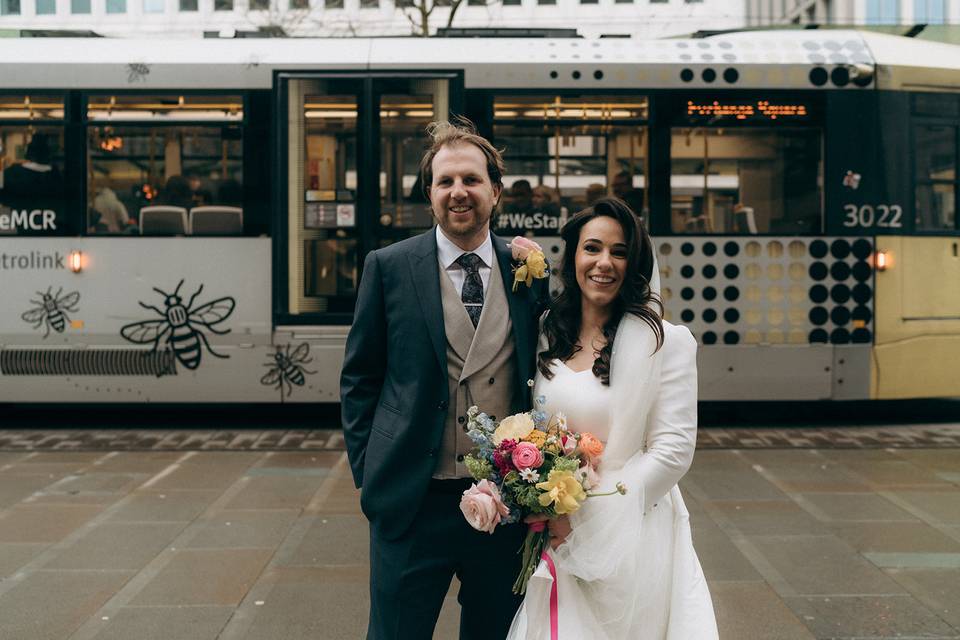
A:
x: 436, y: 330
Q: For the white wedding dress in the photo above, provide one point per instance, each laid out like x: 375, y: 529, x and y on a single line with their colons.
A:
x: 628, y: 571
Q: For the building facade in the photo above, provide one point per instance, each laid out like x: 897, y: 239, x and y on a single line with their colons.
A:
x: 326, y: 18
x: 870, y: 13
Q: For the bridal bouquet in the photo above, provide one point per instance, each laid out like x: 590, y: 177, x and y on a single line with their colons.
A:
x: 528, y: 464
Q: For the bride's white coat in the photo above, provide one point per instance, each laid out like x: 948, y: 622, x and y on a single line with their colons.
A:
x: 629, y: 569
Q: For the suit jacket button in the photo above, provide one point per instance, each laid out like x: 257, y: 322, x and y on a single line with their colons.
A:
x: 460, y: 458
x: 432, y: 452
x: 461, y: 419
x: 491, y: 380
x: 442, y: 406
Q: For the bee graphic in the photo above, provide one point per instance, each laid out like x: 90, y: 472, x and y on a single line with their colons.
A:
x: 181, y: 325
x: 52, y: 310
x: 288, y: 368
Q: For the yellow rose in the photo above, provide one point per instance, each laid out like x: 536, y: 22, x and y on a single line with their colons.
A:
x: 563, y: 491
x: 536, y: 265
x: 536, y: 437
x: 515, y: 427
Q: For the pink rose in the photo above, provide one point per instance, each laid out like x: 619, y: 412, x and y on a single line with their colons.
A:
x: 521, y: 247
x: 526, y: 455
x: 482, y: 507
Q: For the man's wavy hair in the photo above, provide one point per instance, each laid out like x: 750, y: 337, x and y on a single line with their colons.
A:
x: 460, y: 131
x: 562, y: 324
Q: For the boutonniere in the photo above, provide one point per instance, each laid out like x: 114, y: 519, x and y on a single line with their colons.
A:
x: 530, y: 261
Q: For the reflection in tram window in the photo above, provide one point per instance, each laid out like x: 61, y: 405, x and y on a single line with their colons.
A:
x: 745, y: 181
x: 936, y: 176
x: 563, y: 153
x: 132, y: 169
x: 32, y: 198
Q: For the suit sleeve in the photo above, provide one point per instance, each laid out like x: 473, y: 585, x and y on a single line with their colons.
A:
x: 364, y: 366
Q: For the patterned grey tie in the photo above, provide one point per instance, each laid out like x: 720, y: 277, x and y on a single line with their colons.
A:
x: 472, y: 294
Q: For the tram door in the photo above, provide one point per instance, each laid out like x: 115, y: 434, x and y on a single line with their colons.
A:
x: 354, y: 144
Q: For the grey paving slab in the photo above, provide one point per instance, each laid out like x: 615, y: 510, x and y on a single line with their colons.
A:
x: 14, y: 488
x: 98, y: 482
x: 894, y: 473
x: 935, y: 459
x: 936, y: 588
x: 163, y: 505
x: 270, y: 492
x: 748, y: 610
x: 42, y: 522
x: 806, y: 471
x: 205, y: 577
x: 938, y: 506
x: 769, y: 517
x: 895, y: 537
x: 165, y: 623
x: 823, y: 565
x: 14, y: 555
x: 117, y: 545
x: 332, y: 540
x: 855, y: 507
x: 52, y: 471
x: 199, y: 476
x: 50, y: 605
x: 869, y: 617
x: 148, y: 462
x: 79, y: 458
x: 244, y: 529
x: 737, y: 483
x: 299, y: 459
x: 311, y: 602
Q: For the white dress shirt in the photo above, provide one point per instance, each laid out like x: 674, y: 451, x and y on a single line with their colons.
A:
x: 447, y: 254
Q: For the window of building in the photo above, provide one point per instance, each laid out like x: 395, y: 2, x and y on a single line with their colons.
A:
x: 477, y: 3
x: 693, y: 1
x: 163, y: 179
x: 403, y: 3
x: 9, y: 7
x: 509, y: 3
x: 936, y: 177
x: 223, y: 5
x: 740, y: 180
x: 152, y: 6
x: 46, y: 7
x: 564, y: 152
x: 929, y: 11
x: 883, y: 11
x: 546, y: 1
x: 369, y: 4
x: 79, y: 6
x: 32, y: 193
x: 259, y: 5
x: 299, y: 4
x: 623, y: 1
x: 589, y: 1
x: 116, y: 6
x: 333, y: 4
x: 189, y: 5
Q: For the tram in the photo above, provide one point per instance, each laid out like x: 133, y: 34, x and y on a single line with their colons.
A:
x: 186, y: 221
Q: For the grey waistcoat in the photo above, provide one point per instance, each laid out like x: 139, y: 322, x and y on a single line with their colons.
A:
x: 480, y: 368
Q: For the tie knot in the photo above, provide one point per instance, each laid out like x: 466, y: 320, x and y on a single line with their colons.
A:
x: 470, y: 262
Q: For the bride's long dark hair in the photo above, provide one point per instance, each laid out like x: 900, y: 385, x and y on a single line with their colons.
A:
x: 562, y: 325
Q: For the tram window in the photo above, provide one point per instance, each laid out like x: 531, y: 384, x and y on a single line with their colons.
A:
x: 132, y: 167
x: 936, y: 176
x: 32, y: 194
x: 745, y: 181
x: 165, y: 107
x: 563, y: 153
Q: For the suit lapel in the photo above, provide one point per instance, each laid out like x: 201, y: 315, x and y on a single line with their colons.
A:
x: 520, y: 312
x: 425, y: 271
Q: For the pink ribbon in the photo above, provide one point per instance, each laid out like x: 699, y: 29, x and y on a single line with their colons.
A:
x: 537, y: 527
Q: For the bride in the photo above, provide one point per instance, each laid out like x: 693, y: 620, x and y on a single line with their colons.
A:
x: 625, y: 565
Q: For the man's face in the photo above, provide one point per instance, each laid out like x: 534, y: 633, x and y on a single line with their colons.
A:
x: 461, y: 195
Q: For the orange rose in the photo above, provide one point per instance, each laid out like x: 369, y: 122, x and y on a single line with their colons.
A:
x: 591, y: 447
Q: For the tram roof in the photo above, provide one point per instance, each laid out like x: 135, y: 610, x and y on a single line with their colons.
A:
x: 764, y: 59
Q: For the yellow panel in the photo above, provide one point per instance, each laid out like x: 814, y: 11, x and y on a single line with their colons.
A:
x: 917, y: 368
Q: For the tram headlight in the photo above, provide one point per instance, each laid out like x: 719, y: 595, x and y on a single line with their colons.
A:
x: 881, y: 260
x: 75, y: 261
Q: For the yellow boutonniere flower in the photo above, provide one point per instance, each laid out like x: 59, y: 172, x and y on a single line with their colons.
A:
x: 563, y: 491
x: 533, y: 264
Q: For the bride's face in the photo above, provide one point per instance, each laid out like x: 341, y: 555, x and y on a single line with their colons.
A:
x: 601, y: 261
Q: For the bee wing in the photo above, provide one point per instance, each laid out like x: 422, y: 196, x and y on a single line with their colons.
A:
x: 272, y: 377
x: 143, y: 332
x: 34, y: 315
x: 300, y: 352
x: 213, y: 312
x: 69, y: 300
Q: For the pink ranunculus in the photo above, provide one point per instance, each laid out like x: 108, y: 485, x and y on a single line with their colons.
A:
x: 526, y: 455
x: 521, y: 247
x: 482, y: 507
x: 569, y: 443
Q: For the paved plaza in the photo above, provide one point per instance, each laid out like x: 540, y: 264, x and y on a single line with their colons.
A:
x: 186, y: 535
